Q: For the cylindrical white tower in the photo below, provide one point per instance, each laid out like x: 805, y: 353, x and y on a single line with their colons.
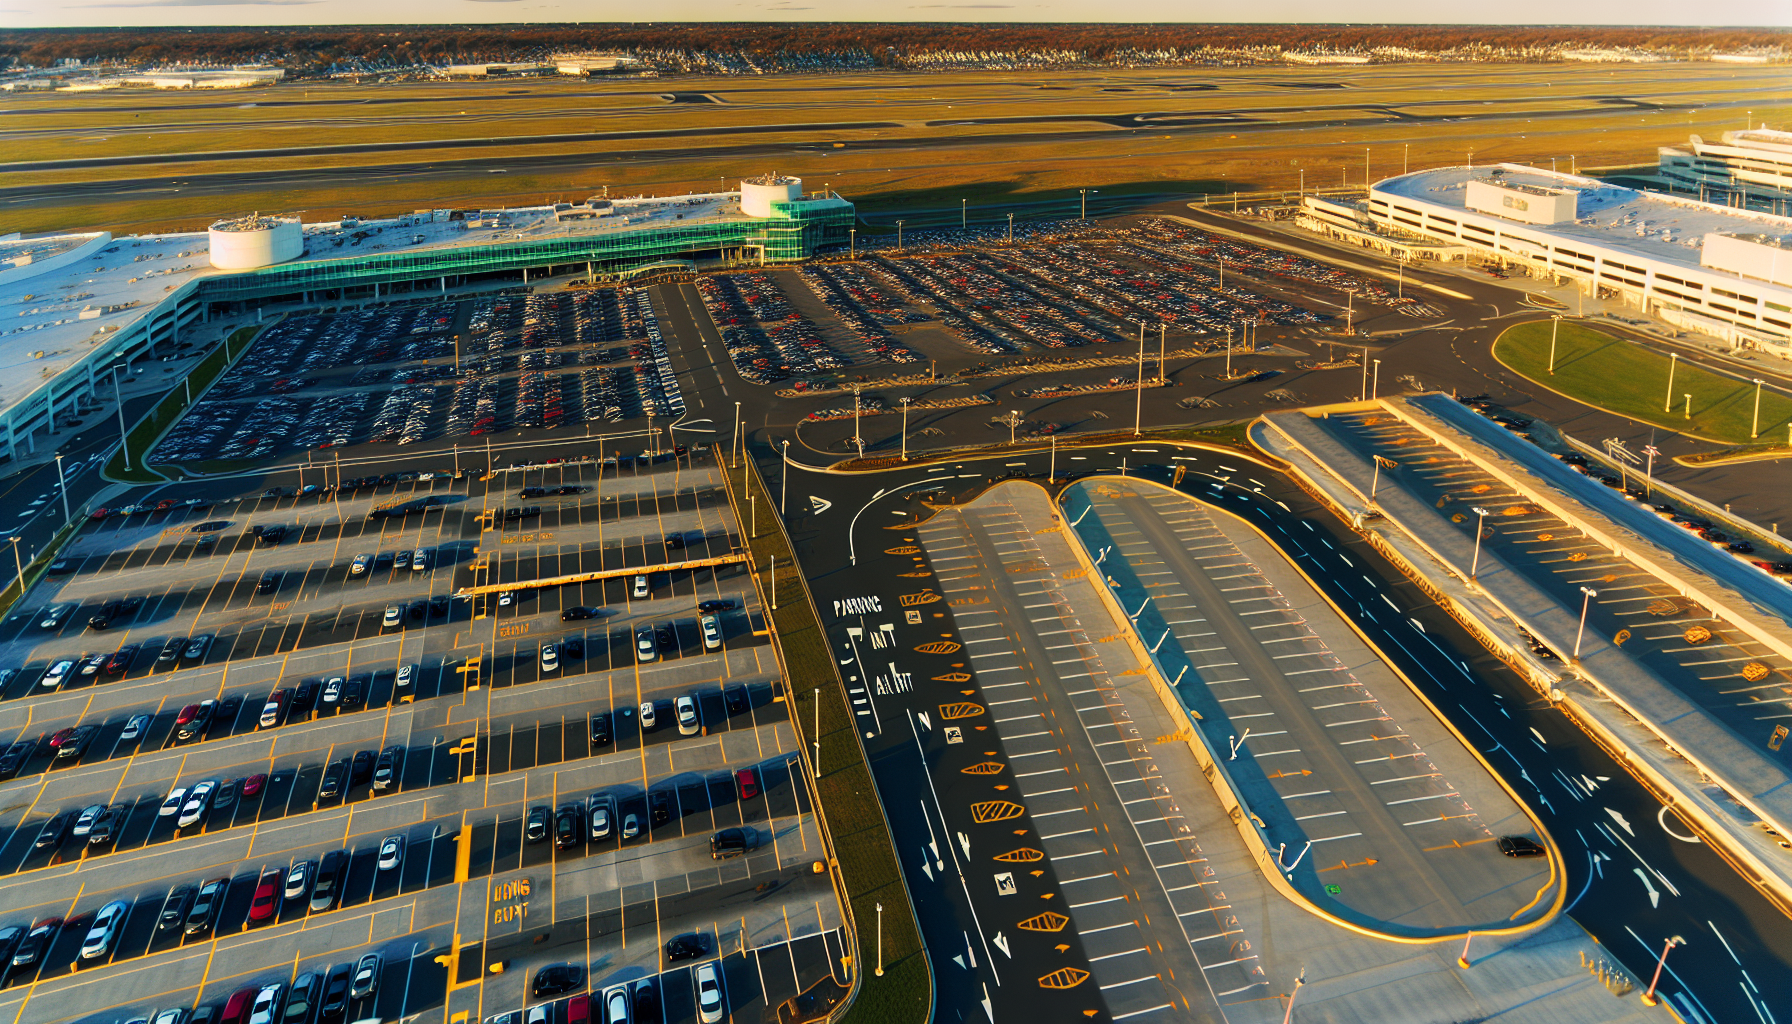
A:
x: 758, y: 194
x: 246, y: 243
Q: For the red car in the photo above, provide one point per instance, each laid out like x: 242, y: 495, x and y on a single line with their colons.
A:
x: 252, y: 785
x: 61, y: 736
x: 237, y: 1007
x: 747, y: 781
x: 99, y: 513
x: 267, y: 896
x: 186, y: 714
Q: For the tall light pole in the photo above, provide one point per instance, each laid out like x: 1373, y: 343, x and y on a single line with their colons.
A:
x: 1688, y: 405
x: 905, y: 402
x: 1649, y: 996
x: 1754, y: 429
x: 852, y: 243
x: 1362, y: 394
x: 1375, y: 381
x: 62, y: 486
x: 1162, y: 330
x: 1051, y: 470
x: 1587, y: 596
x: 1084, y: 192
x: 1365, y: 167
x: 1555, y: 323
x: 18, y: 565
x: 1013, y: 422
x: 1405, y: 158
x: 1673, y: 361
x: 1228, y: 351
x: 899, y: 235
x: 124, y: 442
x: 963, y: 212
x: 736, y: 434
x: 1474, y: 567
x: 1298, y: 982
x: 858, y: 439
x: 1011, y: 229
x: 1138, y: 402
x: 784, y: 486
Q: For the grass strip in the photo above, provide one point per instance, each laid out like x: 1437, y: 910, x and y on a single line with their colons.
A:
x: 142, y: 437
x: 847, y: 796
x: 1628, y: 379
x: 35, y: 571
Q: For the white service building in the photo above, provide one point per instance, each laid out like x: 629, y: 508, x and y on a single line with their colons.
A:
x: 758, y: 194
x: 1709, y: 268
x: 247, y: 243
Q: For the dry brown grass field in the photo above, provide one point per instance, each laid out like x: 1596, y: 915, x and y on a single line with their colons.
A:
x: 915, y: 143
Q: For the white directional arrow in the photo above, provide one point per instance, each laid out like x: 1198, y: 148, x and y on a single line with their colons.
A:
x: 987, y: 1011
x: 1654, y: 896
x: 1001, y: 942
x: 926, y: 869
x: 937, y: 862
x: 959, y: 960
x: 819, y: 505
x: 964, y: 843
x: 1539, y: 735
x: 926, y: 723
x: 1591, y: 785
x: 1619, y: 818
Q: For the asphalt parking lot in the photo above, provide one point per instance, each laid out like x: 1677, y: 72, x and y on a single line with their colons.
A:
x: 343, y: 702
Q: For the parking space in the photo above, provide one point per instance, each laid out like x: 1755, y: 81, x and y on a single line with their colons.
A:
x: 283, y: 705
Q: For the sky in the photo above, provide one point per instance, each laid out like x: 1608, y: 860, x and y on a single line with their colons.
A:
x: 93, y: 13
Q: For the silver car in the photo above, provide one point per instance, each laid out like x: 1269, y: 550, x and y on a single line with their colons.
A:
x: 104, y: 931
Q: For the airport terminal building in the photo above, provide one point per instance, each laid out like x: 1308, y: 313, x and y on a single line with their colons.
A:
x: 80, y: 306
x: 1714, y: 269
x: 1754, y: 166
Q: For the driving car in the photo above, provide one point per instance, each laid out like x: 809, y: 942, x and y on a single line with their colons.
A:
x: 577, y: 614
x: 685, y: 709
x: 391, y: 853
x: 266, y: 900
x: 712, y: 632
x: 1518, y: 846
x: 104, y: 930
x: 708, y: 979
x: 688, y: 946
x: 729, y: 842
x: 367, y: 976
x: 207, y: 902
x: 718, y: 605
x: 554, y: 979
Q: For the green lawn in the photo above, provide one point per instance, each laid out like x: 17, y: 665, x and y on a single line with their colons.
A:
x: 1630, y: 380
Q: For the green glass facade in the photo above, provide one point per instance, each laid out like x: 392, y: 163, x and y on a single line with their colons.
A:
x: 795, y: 231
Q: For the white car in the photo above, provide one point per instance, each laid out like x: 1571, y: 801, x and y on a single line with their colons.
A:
x: 601, y: 812
x: 407, y: 674
x: 420, y: 560
x: 172, y: 804
x: 550, y: 657
x: 54, y: 614
x: 264, y: 1009
x: 646, y: 645
x: 709, y: 993
x: 197, y: 801
x: 649, y: 721
x: 391, y: 852
x: 540, y: 1013
x: 641, y: 586
x: 712, y: 632
x: 104, y: 930
x: 57, y: 674
x: 686, y: 709
x: 616, y: 1005
x: 394, y: 616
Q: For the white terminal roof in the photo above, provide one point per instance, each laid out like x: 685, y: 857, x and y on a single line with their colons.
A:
x: 40, y: 313
x: 1647, y: 224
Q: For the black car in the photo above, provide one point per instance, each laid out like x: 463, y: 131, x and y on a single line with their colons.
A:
x: 362, y: 768
x: 76, y: 745
x: 736, y: 699
x: 688, y: 946
x: 1518, y: 846
x: 715, y: 606
x: 569, y: 826
x: 225, y: 715
x: 330, y: 873
x: 675, y: 541
x: 659, y: 808
x: 174, y: 908
x: 557, y: 978
x: 535, y: 827
x: 354, y: 692
x: 647, y: 1000
x: 272, y: 535
x: 662, y: 635
x: 197, y: 647
x: 269, y: 582
x: 730, y: 842
x: 32, y: 946
x: 387, y: 770
x: 171, y: 650
x: 576, y: 614
x: 106, y: 827
x: 334, y: 1005
x: 333, y: 781
x: 10, y: 937
x: 13, y: 761
x: 54, y: 831
x: 301, y: 1000
x: 206, y: 905
x: 600, y: 730
x: 572, y: 647
x: 303, y: 699
x: 226, y: 793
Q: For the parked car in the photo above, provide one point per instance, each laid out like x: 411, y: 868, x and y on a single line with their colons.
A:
x: 600, y: 729
x: 366, y: 980
x: 685, y: 709
x: 102, y: 934
x: 554, y: 979
x: 207, y: 903
x: 708, y: 980
x: 391, y: 853
x: 266, y: 900
x: 389, y: 768
x: 331, y: 871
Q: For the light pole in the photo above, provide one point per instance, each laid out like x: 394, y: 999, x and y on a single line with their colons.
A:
x: 858, y: 439
x: 1587, y: 596
x: 1688, y: 405
x: 124, y: 442
x: 1051, y: 471
x: 1138, y: 402
x: 18, y: 565
x: 1649, y: 996
x: 880, y: 940
x: 784, y: 485
x: 852, y: 243
x: 1555, y: 323
x: 62, y: 486
x: 1405, y: 157
x: 963, y: 213
x: 1362, y: 394
x: 1162, y: 330
x: 1228, y: 351
x: 1013, y: 422
x: 1754, y: 429
x: 1298, y: 982
x: 1673, y: 361
x: 898, y: 235
x: 1474, y: 566
x: 905, y: 402
x: 1011, y: 229
x: 1375, y: 381
x: 1084, y: 192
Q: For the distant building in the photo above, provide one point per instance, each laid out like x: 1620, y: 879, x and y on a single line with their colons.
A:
x: 593, y: 63
x: 1749, y: 167
x: 508, y: 69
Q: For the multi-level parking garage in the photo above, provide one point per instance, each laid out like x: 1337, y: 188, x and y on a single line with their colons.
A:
x: 322, y: 726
